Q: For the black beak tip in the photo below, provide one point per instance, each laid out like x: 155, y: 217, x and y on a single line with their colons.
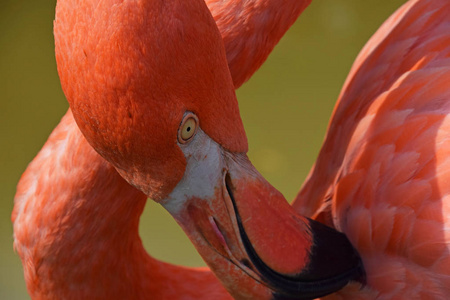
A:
x: 334, y: 262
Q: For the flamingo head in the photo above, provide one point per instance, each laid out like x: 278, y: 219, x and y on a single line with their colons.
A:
x: 150, y: 89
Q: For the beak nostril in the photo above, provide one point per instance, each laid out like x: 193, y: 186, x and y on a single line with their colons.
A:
x: 246, y: 263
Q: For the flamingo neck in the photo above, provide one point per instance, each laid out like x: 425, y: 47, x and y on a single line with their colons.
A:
x: 251, y: 29
x: 76, y: 229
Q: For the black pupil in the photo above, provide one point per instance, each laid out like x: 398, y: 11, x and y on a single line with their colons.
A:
x: 188, y: 129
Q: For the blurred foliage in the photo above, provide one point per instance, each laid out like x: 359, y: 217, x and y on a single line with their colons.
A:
x: 285, y: 108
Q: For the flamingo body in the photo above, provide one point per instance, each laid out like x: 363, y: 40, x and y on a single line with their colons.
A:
x: 381, y: 176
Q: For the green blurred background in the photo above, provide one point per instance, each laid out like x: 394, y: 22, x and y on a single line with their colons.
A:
x: 285, y: 108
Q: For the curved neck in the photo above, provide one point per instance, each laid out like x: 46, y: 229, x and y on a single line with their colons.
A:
x: 76, y: 230
x: 251, y: 29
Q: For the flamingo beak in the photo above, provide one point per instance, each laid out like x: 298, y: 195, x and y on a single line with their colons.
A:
x: 256, y: 244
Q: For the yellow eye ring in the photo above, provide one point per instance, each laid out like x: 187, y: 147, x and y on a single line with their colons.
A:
x: 188, y: 128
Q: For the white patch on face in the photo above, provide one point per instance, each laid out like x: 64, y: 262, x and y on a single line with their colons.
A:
x: 203, y: 172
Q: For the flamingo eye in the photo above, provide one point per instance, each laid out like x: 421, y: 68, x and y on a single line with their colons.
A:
x: 188, y: 128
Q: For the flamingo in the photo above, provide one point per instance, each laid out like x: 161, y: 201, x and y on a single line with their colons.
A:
x: 85, y: 182
x: 338, y: 194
